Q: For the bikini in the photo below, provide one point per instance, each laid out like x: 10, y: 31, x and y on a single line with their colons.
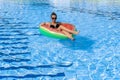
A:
x: 57, y: 25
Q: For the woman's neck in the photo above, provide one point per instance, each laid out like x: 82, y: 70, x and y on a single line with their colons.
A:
x: 53, y: 22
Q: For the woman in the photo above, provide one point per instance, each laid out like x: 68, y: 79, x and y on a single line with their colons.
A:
x: 58, y: 26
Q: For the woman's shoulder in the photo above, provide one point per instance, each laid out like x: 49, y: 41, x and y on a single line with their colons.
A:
x: 47, y: 23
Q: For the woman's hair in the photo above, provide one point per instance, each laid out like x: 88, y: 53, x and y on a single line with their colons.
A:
x: 53, y: 13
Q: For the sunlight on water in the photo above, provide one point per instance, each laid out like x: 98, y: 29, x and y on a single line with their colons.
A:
x: 28, y: 55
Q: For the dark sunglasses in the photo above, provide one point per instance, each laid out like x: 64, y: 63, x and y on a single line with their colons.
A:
x: 54, y: 18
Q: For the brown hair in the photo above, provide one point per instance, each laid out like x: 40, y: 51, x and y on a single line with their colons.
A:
x: 53, y: 13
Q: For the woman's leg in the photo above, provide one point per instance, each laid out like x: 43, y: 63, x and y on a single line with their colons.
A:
x: 65, y: 29
x: 68, y: 34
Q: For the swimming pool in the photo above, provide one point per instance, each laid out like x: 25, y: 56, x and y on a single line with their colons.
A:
x: 28, y: 55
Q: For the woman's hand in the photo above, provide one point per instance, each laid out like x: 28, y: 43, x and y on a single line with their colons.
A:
x: 42, y: 24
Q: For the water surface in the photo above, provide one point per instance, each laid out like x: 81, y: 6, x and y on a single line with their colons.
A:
x: 28, y: 55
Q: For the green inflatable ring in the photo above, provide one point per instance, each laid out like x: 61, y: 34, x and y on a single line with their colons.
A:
x: 45, y: 30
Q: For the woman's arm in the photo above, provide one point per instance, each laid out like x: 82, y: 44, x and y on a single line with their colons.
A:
x: 44, y: 23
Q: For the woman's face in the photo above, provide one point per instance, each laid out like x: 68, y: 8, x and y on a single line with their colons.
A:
x: 53, y: 17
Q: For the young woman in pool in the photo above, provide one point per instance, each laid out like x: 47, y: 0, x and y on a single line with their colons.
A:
x: 59, y: 27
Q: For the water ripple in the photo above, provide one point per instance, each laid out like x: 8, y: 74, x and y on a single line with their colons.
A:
x: 33, y: 75
x: 13, y: 53
x: 13, y: 38
x: 16, y: 60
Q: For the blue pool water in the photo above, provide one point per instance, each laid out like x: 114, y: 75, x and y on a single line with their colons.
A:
x: 25, y: 54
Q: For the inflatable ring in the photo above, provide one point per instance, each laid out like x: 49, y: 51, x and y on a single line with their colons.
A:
x: 54, y: 33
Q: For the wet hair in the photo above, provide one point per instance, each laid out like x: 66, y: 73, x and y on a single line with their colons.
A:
x: 53, y: 13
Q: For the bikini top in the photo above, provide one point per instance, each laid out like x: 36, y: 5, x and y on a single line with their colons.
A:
x: 57, y: 25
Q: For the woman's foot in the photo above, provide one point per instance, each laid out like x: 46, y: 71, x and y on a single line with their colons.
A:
x: 77, y: 32
x: 72, y: 39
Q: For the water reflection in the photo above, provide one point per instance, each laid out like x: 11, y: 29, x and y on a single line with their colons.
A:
x: 103, y: 8
x: 81, y: 43
x: 84, y: 2
x: 25, y: 1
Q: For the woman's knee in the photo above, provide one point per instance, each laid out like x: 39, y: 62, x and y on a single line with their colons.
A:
x: 61, y: 27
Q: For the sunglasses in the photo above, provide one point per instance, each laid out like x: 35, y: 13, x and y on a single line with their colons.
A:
x: 54, y: 18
